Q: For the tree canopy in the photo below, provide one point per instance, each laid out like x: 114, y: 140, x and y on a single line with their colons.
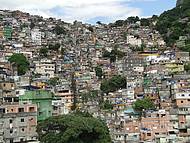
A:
x: 43, y: 52
x: 99, y: 72
x: 114, y: 54
x: 113, y: 84
x: 73, y: 128
x: 59, y: 30
x: 143, y: 104
x: 21, y: 63
x: 53, y: 81
x: 54, y: 47
x: 174, y: 23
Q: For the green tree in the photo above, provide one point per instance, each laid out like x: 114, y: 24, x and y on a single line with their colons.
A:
x: 106, y: 105
x: 43, y: 52
x: 59, y: 30
x: 145, y: 22
x: 73, y: 128
x: 89, y: 96
x: 133, y: 19
x: 54, y: 47
x: 99, y: 22
x: 21, y: 63
x: 143, y: 104
x: 99, y: 72
x: 113, y: 84
x: 53, y: 81
x: 187, y: 67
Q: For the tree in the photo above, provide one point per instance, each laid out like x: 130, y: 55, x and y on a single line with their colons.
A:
x: 145, y: 22
x: 53, y: 81
x: 21, y: 63
x: 54, y: 47
x: 99, y: 22
x: 106, y: 105
x: 119, y: 23
x: 174, y: 23
x: 143, y: 104
x: 32, y: 25
x: 114, y: 54
x: 59, y: 30
x: 113, y: 84
x: 187, y: 67
x: 89, y: 96
x: 91, y: 29
x: 133, y: 19
x: 99, y: 72
x: 43, y: 52
x: 73, y: 128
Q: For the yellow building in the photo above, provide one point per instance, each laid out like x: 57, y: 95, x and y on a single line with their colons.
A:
x: 174, y: 67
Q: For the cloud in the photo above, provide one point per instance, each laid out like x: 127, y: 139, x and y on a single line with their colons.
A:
x: 70, y: 10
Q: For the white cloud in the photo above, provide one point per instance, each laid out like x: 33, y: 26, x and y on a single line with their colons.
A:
x: 70, y: 10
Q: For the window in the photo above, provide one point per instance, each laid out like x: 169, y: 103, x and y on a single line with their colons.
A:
x: 10, y: 121
x: 20, y: 109
x: 11, y: 131
x: 11, y: 141
x: 181, y: 101
x: 148, y: 134
x: 22, y: 129
x: 182, y: 95
x: 31, y: 109
x: 40, y: 113
x: 156, y: 133
x: 22, y: 119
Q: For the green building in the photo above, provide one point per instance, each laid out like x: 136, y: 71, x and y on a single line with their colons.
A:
x: 7, y: 32
x: 43, y: 100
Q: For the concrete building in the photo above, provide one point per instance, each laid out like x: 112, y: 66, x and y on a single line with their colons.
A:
x: 43, y: 100
x: 45, y: 67
x: 18, y: 123
x: 155, y: 123
x: 36, y: 36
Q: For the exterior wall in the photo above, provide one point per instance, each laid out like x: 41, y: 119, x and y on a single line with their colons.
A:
x: 46, y: 68
x: 134, y: 41
x: 43, y: 100
x: 7, y: 85
x: 156, y: 123
x: 36, y: 36
x: 19, y: 122
x: 182, y: 102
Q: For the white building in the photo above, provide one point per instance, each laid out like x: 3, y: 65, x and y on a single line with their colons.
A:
x: 132, y: 40
x: 45, y: 67
x: 36, y: 36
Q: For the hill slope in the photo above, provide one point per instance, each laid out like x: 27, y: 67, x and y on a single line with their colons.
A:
x: 175, y: 22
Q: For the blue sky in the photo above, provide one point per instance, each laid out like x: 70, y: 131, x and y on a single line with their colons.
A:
x: 90, y: 10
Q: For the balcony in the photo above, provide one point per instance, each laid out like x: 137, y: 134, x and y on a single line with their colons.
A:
x: 183, y: 112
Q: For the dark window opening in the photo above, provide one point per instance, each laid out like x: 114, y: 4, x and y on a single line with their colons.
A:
x: 20, y: 109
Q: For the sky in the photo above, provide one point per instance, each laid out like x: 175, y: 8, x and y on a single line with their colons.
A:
x: 90, y: 11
